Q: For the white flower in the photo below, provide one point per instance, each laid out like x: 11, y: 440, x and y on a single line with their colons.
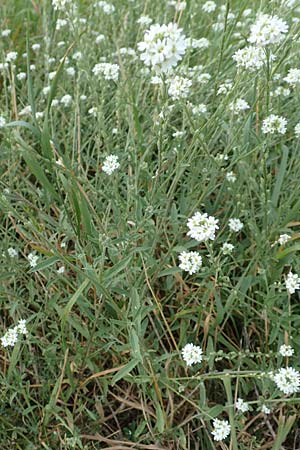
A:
x: 110, y: 164
x: 283, y: 239
x: 109, y: 71
x: 241, y: 405
x: 292, y: 282
x: 11, y: 336
x: 192, y: 354
x: 227, y: 248
x: 77, y: 56
x: 235, y: 225
x: 280, y: 90
x: 230, y: 176
x: 238, y: 106
x: 33, y: 259
x: 221, y: 429
x: 144, y: 20
x: 247, y: 12
x: 198, y: 109
x: 93, y: 111
x: 180, y: 6
x: 61, y: 269
x: 163, y: 46
x: 25, y: 111
x: 265, y: 409
x: 46, y: 90
x: 66, y: 100
x: 190, y: 262
x: 61, y: 4
x: 99, y: 38
x: 287, y: 380
x: 2, y: 121
x: 36, y: 47
x: 251, y: 58
x: 3, y: 66
x: 286, y: 350
x: 273, y: 124
x: 12, y: 252
x: 107, y: 8
x: 198, y: 43
x: 11, y: 56
x: 293, y: 77
x: 297, y: 130
x: 5, y: 33
x: 267, y: 30
x: 70, y: 71
x: 21, y: 327
x: 61, y: 23
x: 179, y: 87
x: 21, y: 76
x: 202, y: 227
x: 51, y: 75
x: 203, y: 78
x: 178, y: 134
x: 209, y: 7
x: 156, y: 80
x: 224, y: 88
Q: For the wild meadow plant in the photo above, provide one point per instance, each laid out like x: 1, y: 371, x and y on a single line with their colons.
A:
x: 150, y: 224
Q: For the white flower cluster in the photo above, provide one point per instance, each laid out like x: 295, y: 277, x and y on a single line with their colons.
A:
x: 265, y: 409
x: 198, y: 43
x: 221, y: 429
x: 12, y: 252
x: 144, y: 20
x: 2, y: 121
x: 179, y: 87
x: 33, y: 259
x: 225, y: 88
x: 292, y: 282
x: 274, y: 124
x: 238, y: 106
x: 293, y: 77
x: 267, y: 30
x: 163, y: 46
x: 11, y: 336
x: 241, y: 405
x: 106, y: 7
x: 61, y: 4
x: 110, y: 164
x: 66, y: 100
x: 251, y: 58
x: 209, y: 6
x: 192, y: 354
x: 230, y: 176
x: 190, y: 262
x: 109, y: 71
x: 283, y: 239
x: 202, y: 227
x: 235, y: 225
x: 227, y: 248
x: 287, y: 380
x: 286, y: 350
